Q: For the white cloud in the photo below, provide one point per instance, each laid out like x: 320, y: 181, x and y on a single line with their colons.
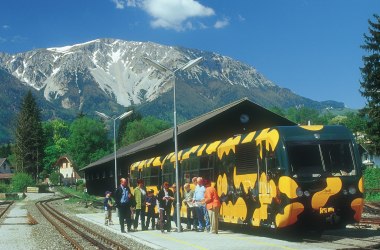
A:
x: 241, y: 18
x: 5, y: 26
x: 172, y: 14
x: 120, y: 4
x: 221, y: 23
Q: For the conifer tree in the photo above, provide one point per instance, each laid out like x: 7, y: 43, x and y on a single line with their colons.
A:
x: 370, y: 83
x: 29, y: 145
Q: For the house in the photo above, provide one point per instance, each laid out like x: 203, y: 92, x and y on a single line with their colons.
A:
x: 6, y: 170
x: 67, y: 172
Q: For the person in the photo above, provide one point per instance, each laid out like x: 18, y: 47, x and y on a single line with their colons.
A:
x: 194, y: 181
x: 165, y: 199
x: 123, y: 199
x: 151, y: 202
x: 174, y: 188
x: 140, y: 195
x: 199, y: 195
x: 108, y: 208
x: 194, y: 208
x: 190, y: 214
x: 213, y: 206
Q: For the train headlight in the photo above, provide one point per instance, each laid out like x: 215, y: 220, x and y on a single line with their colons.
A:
x: 345, y: 192
x: 306, y: 193
x: 299, y: 192
x: 352, y: 190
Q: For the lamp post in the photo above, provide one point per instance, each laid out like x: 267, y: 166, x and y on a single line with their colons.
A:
x: 164, y: 69
x: 122, y: 116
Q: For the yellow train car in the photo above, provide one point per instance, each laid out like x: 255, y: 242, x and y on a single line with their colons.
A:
x: 277, y: 177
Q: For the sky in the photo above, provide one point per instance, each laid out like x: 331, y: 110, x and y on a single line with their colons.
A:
x: 309, y: 46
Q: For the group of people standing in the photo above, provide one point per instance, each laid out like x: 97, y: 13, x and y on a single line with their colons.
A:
x: 202, y: 203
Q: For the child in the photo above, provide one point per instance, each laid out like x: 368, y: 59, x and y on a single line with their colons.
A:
x: 108, y: 209
x: 151, y: 202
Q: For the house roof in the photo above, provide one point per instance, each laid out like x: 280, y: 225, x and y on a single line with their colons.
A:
x: 2, y: 160
x: 6, y: 176
x: 62, y: 157
x: 167, y: 135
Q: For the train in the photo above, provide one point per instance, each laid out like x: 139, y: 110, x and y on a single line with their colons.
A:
x: 277, y: 177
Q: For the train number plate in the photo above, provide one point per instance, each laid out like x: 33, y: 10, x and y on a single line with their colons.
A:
x: 326, y: 210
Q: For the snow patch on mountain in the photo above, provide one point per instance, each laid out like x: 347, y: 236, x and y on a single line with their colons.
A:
x: 115, y: 67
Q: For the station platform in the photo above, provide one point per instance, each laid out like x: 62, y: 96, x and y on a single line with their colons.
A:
x: 189, y: 240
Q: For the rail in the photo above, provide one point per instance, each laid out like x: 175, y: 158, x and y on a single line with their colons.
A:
x: 88, y: 235
x: 3, y: 210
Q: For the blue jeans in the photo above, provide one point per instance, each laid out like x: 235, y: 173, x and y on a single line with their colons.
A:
x: 203, y: 219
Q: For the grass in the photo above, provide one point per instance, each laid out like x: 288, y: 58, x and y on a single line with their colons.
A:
x: 78, y: 195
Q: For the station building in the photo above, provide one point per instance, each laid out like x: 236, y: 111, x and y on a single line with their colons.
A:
x: 239, y: 117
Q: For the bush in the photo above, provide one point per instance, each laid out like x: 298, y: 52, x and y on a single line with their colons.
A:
x: 20, y: 181
x: 54, y: 178
x: 4, y: 188
x: 371, y: 181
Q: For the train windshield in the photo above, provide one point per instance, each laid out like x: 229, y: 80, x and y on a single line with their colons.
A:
x: 322, y: 158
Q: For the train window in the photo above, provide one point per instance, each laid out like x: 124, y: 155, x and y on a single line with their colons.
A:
x: 111, y: 173
x: 338, y: 158
x: 134, y: 175
x: 226, y: 164
x: 305, y: 159
x: 246, y: 158
x: 168, y: 172
x: 327, y: 157
x: 151, y: 176
x: 206, y: 170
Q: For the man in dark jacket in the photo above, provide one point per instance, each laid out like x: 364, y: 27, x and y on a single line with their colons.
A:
x: 123, y: 198
x: 165, y: 200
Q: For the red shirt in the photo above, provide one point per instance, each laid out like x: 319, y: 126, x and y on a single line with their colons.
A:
x: 211, y: 198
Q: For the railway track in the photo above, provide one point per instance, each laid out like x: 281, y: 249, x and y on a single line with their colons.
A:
x: 79, y: 235
x: 4, y: 206
x: 371, y: 215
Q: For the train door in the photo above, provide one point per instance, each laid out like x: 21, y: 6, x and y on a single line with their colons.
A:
x: 245, y: 181
x: 266, y: 186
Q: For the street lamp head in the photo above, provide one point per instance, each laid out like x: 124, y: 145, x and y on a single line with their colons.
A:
x: 126, y: 114
x: 192, y: 63
x: 102, y: 115
x: 155, y: 65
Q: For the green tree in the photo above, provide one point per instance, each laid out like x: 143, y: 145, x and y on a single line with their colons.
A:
x: 5, y: 150
x: 20, y: 181
x: 370, y: 83
x: 29, y: 146
x: 54, y: 178
x: 87, y: 141
x: 278, y: 111
x: 123, y: 124
x: 303, y: 115
x: 140, y: 129
x: 356, y: 123
x: 56, y: 133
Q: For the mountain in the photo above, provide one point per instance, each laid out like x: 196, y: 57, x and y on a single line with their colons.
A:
x: 109, y: 75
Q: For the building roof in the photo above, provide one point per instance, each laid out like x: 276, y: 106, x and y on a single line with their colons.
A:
x: 6, y: 176
x: 2, y: 160
x: 167, y: 135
